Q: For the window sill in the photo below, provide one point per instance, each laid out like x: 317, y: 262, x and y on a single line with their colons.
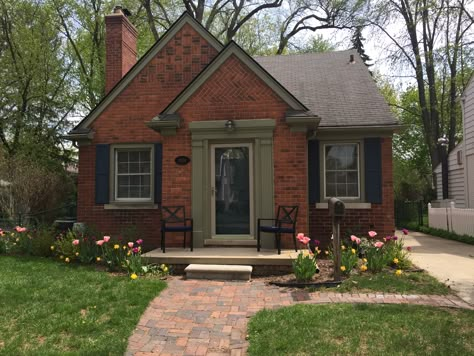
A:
x: 348, y: 205
x: 130, y: 206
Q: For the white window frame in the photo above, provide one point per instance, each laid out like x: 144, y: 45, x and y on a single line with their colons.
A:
x: 114, y: 168
x: 359, y: 167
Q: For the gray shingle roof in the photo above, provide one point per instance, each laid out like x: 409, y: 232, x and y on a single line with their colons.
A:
x: 341, y: 93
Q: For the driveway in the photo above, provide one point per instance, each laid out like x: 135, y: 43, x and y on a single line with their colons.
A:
x: 451, y: 262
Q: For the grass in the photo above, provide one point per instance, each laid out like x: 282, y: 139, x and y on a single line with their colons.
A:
x: 50, y: 308
x: 345, y: 329
x: 449, y: 235
x: 388, y: 282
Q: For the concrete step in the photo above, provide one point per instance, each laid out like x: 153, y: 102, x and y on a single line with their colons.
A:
x: 220, y: 272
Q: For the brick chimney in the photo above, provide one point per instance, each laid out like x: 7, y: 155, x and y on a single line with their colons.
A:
x: 120, y: 46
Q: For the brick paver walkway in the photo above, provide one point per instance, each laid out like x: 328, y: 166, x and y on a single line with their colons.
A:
x: 198, y: 317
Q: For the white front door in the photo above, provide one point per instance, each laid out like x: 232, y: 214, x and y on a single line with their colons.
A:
x: 232, y: 191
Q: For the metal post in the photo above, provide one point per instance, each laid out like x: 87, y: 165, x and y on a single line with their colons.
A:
x: 336, y: 247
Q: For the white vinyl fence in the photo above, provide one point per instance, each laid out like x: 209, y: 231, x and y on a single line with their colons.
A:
x: 460, y: 221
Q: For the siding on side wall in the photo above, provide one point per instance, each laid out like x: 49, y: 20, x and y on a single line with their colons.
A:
x: 469, y: 118
x: 456, y: 186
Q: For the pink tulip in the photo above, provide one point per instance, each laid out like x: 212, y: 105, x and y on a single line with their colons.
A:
x: 106, y: 238
x: 354, y: 238
x: 20, y: 229
x: 99, y: 242
x: 139, y: 241
x: 130, y: 244
x: 75, y: 242
x: 405, y: 231
x: 372, y: 234
x: 378, y: 244
x: 408, y: 248
x: 358, y: 241
x: 303, y: 239
x: 135, y: 250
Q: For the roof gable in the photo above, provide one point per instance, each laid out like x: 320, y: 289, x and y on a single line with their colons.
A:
x: 83, y: 127
x: 231, y: 49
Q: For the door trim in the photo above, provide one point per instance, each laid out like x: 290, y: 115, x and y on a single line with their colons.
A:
x: 212, y: 174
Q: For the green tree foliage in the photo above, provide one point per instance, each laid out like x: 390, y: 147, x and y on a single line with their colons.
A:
x: 358, y: 44
x: 37, y: 97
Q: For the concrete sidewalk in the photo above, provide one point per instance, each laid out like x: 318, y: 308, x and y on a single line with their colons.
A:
x: 449, y: 261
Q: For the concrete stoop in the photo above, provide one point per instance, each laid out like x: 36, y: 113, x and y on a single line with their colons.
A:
x: 218, y: 272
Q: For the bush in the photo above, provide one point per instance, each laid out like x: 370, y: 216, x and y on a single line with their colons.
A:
x: 442, y: 233
x: 305, y: 267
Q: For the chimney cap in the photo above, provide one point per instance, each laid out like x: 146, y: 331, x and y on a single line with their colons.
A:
x: 119, y: 9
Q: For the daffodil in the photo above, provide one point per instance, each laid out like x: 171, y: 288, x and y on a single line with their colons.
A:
x: 395, y: 260
x: 98, y: 259
x: 343, y: 268
x: 133, y: 276
x: 363, y: 268
x: 165, y: 269
x: 398, y: 272
x: 67, y: 260
x: 353, y: 251
x: 116, y: 247
x: 365, y: 260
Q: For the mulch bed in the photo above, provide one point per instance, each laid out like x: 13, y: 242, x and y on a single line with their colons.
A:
x: 322, y: 279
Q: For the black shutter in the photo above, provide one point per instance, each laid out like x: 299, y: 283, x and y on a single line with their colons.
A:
x: 158, y: 171
x: 313, y: 171
x: 373, y: 170
x: 102, y: 164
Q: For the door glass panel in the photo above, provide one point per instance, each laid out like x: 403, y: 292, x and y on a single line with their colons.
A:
x: 232, y: 193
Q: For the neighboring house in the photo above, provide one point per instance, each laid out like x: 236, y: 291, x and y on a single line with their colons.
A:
x: 461, y: 158
x: 259, y: 132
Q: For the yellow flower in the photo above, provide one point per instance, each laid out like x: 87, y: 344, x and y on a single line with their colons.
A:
x: 363, y: 268
x: 124, y: 247
x: 365, y: 260
x: 395, y: 260
x: 128, y: 253
x: 116, y: 247
x: 98, y: 259
x: 133, y: 276
x: 163, y: 266
x: 66, y: 260
x: 343, y: 247
x: 343, y: 268
x: 52, y: 248
x: 398, y: 272
x: 77, y: 253
x: 353, y: 251
x: 165, y: 269
x: 326, y: 252
x: 61, y: 257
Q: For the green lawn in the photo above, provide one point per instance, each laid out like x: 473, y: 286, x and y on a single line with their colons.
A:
x: 388, y: 282
x: 50, y: 308
x: 361, y: 329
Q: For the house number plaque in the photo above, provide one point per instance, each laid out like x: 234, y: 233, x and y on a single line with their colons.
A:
x: 182, y: 160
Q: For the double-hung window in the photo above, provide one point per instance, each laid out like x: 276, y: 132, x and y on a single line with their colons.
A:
x: 133, y: 176
x: 341, y: 170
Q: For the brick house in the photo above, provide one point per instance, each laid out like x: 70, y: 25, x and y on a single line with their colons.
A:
x: 257, y: 132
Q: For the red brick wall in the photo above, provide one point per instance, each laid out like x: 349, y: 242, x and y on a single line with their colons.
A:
x: 120, y: 48
x: 124, y: 122
x: 235, y: 92
x: 380, y: 218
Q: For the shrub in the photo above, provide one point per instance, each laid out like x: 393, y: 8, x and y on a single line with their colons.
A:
x: 305, y: 267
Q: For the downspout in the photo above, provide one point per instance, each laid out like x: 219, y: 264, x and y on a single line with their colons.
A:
x: 467, y: 203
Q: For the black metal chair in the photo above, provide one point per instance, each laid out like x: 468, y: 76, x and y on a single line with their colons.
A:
x: 173, y: 219
x: 285, y: 223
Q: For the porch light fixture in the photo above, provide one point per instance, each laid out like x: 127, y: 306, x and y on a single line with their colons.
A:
x: 229, y: 125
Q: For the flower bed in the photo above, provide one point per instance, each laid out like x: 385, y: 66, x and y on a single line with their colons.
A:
x: 117, y: 254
